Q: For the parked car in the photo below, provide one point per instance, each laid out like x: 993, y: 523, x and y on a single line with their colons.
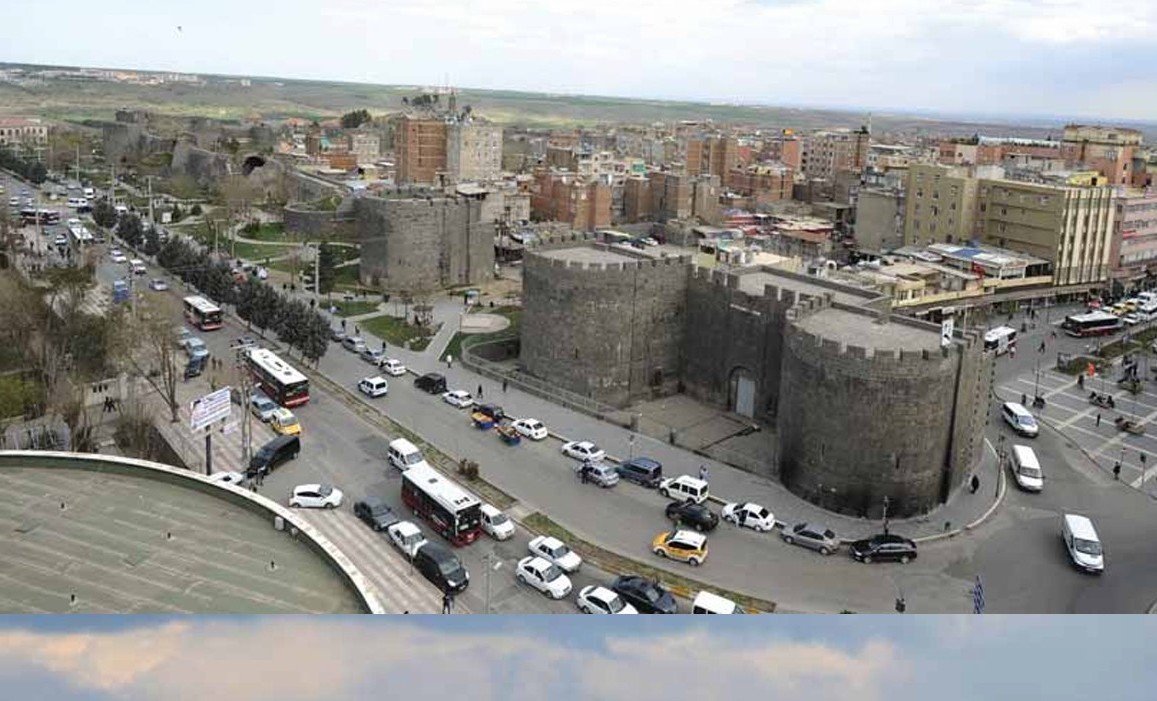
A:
x: 884, y: 547
x: 196, y: 348
x: 183, y: 335
x: 227, y: 477
x: 431, y: 383
x: 355, y: 344
x: 556, y: 552
x: 1131, y: 319
x: 492, y: 410
x: 583, y: 450
x: 814, y: 536
x: 373, y: 356
x: 757, y: 518
x: 262, y: 407
x: 158, y: 284
x: 531, y: 428
x: 496, y: 523
x: 393, y: 367
x: 688, y: 513
x: 599, y: 473
x: 284, y: 422
x: 598, y: 599
x: 543, y: 576
x: 375, y: 386
x: 118, y: 257
x: 458, y: 398
x: 646, y: 595
x: 642, y: 471
x: 243, y: 343
x: 685, y: 546
x: 336, y: 335
x: 406, y: 537
x: 684, y: 487
x: 316, y: 496
x: 375, y: 513
x: 441, y: 567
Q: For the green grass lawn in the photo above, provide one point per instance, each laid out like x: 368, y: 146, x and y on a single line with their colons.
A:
x: 274, y: 231
x: 396, y: 331
x: 254, y: 252
x: 454, y: 348
x: 353, y: 308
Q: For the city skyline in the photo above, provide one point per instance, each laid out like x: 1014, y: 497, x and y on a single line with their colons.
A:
x: 957, y: 658
x: 1000, y: 57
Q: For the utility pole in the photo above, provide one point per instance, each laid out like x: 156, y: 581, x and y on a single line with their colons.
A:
x: 151, y: 220
x: 78, y: 165
x: 317, y: 276
x: 886, y: 502
x: 246, y: 387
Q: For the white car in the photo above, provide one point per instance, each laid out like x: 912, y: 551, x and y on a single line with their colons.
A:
x: 158, y: 285
x: 556, y: 552
x: 543, y: 576
x: 583, y: 450
x: 496, y: 523
x: 375, y: 386
x: 1131, y: 319
x: 406, y: 537
x: 596, y: 599
x: 316, y: 496
x: 118, y: 257
x: 531, y: 428
x: 749, y: 515
x: 459, y: 398
x: 393, y: 368
x: 227, y: 477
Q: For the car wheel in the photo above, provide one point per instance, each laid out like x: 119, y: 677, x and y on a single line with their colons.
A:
x: 823, y: 551
x: 789, y: 540
x: 584, y: 608
x: 904, y: 559
x: 294, y: 505
x: 661, y: 552
x: 867, y: 560
x: 699, y: 527
x: 521, y: 578
x: 330, y: 505
x: 694, y: 562
x: 665, y: 493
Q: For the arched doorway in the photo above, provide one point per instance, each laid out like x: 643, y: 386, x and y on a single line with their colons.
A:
x: 741, y: 392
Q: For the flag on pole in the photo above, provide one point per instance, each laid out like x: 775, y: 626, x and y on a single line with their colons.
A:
x: 978, y: 596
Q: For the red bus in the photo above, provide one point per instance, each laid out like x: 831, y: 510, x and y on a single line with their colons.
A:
x: 202, y: 313
x: 276, y: 378
x: 453, y: 512
x: 1092, y: 324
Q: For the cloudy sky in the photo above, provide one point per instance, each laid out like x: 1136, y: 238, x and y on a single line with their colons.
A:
x: 1069, y: 58
x: 485, y: 658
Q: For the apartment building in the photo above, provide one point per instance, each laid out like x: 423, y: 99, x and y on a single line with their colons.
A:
x: 762, y: 184
x: 826, y: 153
x: 584, y: 205
x: 941, y: 205
x: 18, y: 131
x: 1108, y: 150
x: 711, y: 155
x: 473, y: 151
x: 1133, y: 252
x: 365, y: 145
x: 420, y: 149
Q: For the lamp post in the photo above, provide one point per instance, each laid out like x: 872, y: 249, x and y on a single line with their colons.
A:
x: 886, y: 502
x: 492, y: 564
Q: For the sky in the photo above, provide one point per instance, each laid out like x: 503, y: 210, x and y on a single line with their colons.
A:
x: 1070, y: 58
x: 565, y: 658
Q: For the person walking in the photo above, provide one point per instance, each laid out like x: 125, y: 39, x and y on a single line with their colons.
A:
x: 974, y: 484
x: 1042, y: 345
x: 449, y: 360
x: 480, y: 391
x: 343, y: 325
x: 703, y: 472
x: 1012, y: 351
x: 1117, y: 470
x: 584, y: 472
x: 504, y: 384
x: 357, y: 330
x: 1098, y: 418
x: 447, y: 602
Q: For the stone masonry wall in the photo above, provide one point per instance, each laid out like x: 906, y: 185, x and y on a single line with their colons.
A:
x: 317, y: 225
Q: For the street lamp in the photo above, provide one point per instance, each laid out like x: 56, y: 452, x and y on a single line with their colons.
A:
x: 492, y: 564
x: 886, y: 502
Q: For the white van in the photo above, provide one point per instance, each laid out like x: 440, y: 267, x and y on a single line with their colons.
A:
x: 1019, y: 419
x: 706, y: 602
x: 403, y: 454
x: 1082, y: 543
x: 684, y: 488
x: 1026, y: 469
x: 138, y: 267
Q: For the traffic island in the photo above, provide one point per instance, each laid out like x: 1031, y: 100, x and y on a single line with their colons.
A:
x: 615, y: 564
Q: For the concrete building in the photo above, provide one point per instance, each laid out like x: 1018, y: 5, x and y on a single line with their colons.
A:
x: 716, y: 154
x: 880, y: 219
x: 1070, y: 226
x: 1108, y: 150
x: 582, y: 203
x: 864, y: 405
x: 826, y: 153
x: 941, y: 205
x: 365, y: 145
x: 786, y: 148
x: 762, y: 183
x: 636, y: 199
x: 419, y: 243
x: 18, y: 131
x: 1133, y: 252
x: 473, y: 151
x: 420, y: 149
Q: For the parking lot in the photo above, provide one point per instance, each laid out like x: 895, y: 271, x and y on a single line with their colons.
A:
x: 1069, y: 411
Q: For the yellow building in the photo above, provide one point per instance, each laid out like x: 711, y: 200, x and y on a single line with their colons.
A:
x: 941, y: 205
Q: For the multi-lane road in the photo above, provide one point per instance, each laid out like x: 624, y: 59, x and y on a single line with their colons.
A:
x: 1017, y: 553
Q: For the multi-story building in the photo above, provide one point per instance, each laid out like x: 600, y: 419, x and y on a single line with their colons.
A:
x: 365, y: 145
x: 941, y: 205
x: 585, y: 205
x: 763, y: 183
x: 473, y: 151
x: 1133, y: 252
x: 826, y: 153
x: 880, y: 219
x: 712, y: 155
x: 1108, y: 150
x: 18, y: 131
x: 636, y: 199
x: 420, y: 149
x: 786, y: 148
x: 1071, y: 226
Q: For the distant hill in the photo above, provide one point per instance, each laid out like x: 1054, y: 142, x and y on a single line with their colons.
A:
x: 223, y: 97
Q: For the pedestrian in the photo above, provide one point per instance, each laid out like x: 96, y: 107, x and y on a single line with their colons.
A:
x: 1023, y: 399
x: 383, y: 346
x: 357, y: 330
x: 504, y: 383
x: 447, y: 602
x: 703, y: 472
x: 480, y: 391
x: 1117, y: 470
x: 1081, y: 381
x: 1098, y: 418
x: 1042, y: 345
x: 974, y: 484
x: 343, y: 325
x: 584, y: 471
x: 1012, y: 351
x: 449, y: 360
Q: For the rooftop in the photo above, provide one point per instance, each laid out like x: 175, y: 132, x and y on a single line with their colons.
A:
x: 587, y: 254
x: 109, y: 545
x: 862, y: 330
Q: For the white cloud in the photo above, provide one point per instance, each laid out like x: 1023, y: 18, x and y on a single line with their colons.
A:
x: 310, y: 659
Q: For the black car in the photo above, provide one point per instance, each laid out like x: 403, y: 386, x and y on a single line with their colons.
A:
x: 689, y: 513
x: 442, y: 568
x: 492, y: 410
x: 642, y: 471
x: 431, y: 382
x: 883, y: 547
x: 644, y: 594
x: 376, y: 513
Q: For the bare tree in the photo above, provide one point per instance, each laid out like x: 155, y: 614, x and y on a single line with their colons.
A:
x: 160, y: 356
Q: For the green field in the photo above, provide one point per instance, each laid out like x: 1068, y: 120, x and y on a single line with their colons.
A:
x: 396, y: 331
x: 353, y: 308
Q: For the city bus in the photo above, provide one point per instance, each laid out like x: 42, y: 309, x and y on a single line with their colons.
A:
x: 1000, y: 339
x: 276, y: 378
x: 202, y: 313
x: 1091, y: 324
x: 453, y: 512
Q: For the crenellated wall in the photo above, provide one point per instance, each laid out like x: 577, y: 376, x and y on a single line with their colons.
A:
x: 318, y: 224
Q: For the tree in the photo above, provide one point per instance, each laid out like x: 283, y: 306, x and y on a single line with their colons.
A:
x: 353, y: 120
x: 152, y: 241
x: 130, y: 230
x: 156, y: 333
x: 104, y: 214
x: 37, y: 173
x: 326, y: 268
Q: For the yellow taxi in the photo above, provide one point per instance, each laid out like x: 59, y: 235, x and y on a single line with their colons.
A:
x: 284, y: 422
x: 687, y: 546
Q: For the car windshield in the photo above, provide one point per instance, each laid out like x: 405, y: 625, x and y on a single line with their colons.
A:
x: 379, y: 509
x: 615, y: 604
x: 288, y: 421
x: 498, y: 519
x: 560, y: 551
x: 1030, y: 471
x: 413, y: 458
x: 551, y: 573
x: 533, y: 425
x: 325, y: 490
x: 1026, y: 421
x: 1088, y: 547
x: 449, y: 567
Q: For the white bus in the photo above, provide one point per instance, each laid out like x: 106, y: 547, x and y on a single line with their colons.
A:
x: 277, y: 378
x: 202, y: 313
x: 1000, y: 339
x: 453, y: 512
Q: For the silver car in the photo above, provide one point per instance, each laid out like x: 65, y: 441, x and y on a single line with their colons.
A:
x: 600, y: 473
x: 813, y: 536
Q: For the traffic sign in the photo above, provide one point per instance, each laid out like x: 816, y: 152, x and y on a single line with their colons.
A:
x: 210, y: 408
x: 978, y: 596
x: 946, y: 328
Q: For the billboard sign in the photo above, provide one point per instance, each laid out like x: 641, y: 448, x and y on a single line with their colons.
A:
x: 212, y: 407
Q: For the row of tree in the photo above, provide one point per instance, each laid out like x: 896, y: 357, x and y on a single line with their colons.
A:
x: 297, y: 324
x: 28, y: 168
